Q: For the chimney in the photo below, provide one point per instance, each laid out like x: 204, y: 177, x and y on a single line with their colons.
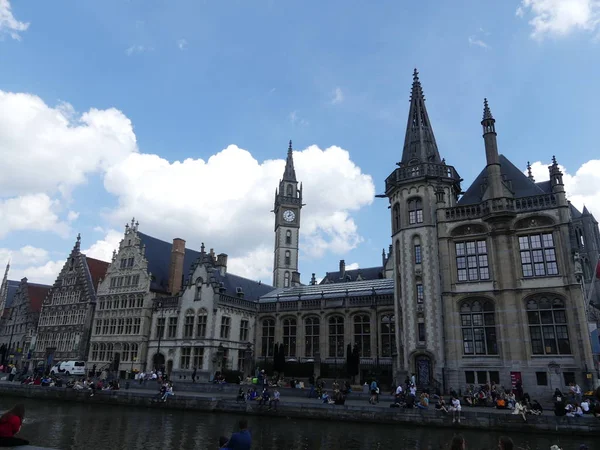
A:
x: 295, y: 279
x: 342, y: 269
x: 176, y: 268
x: 313, y: 280
x: 222, y: 263
x: 212, y: 255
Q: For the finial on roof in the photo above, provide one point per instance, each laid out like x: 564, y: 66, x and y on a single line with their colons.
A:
x: 487, y: 114
x: 202, y: 248
x: 415, y: 75
x: 529, y: 173
x: 132, y: 222
x: 78, y: 237
x: 114, y: 256
x: 290, y: 146
x: 289, y: 174
x: 554, y: 160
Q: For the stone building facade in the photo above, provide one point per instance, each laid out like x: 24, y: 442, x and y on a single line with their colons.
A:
x: 142, y: 269
x: 210, y: 325
x: 485, y: 280
x: 19, y: 320
x: 63, y: 329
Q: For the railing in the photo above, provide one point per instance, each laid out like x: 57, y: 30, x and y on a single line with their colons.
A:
x: 166, y: 302
x: 421, y: 170
x: 238, y: 302
x: 501, y: 205
x: 342, y: 301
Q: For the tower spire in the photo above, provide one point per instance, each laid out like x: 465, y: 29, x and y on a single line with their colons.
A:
x: 4, y: 287
x: 290, y: 173
x: 419, y: 142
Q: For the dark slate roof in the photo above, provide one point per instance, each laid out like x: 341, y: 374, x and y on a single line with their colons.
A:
x: 367, y: 273
x: 331, y: 291
x: 545, y: 186
x: 252, y: 289
x: 158, y: 254
x: 521, y: 185
x: 11, y: 290
x: 97, y: 270
x: 575, y: 214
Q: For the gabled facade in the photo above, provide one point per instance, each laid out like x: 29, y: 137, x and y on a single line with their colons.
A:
x: 210, y: 325
x: 64, y: 326
x: 19, y: 322
x: 142, y: 268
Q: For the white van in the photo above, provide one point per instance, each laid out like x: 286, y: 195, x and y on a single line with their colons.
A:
x: 68, y: 368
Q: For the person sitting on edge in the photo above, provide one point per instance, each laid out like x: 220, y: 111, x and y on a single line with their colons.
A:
x: 223, y: 441
x: 505, y: 443
x: 10, y: 424
x: 242, y: 440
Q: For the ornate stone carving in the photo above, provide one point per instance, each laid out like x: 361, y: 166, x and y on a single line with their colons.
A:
x: 534, y: 222
x: 468, y: 229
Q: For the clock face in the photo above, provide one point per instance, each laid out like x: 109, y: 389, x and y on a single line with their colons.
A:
x: 289, y: 215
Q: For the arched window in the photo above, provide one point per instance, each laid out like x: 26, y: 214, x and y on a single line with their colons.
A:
x: 289, y: 337
x: 268, y: 337
x: 290, y: 191
x: 94, y: 352
x: 548, y: 326
x: 188, y: 324
x: 288, y: 237
x: 288, y: 257
x: 201, y: 327
x: 336, y: 337
x: 396, y: 218
x: 362, y: 334
x: 311, y: 336
x: 286, y: 280
x: 415, y: 211
x: 125, y: 353
x: 478, y: 327
x: 388, y: 335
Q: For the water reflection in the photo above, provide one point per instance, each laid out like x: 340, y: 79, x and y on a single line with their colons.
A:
x: 74, y: 426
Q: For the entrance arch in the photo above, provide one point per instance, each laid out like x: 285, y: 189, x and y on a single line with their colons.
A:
x: 423, y: 370
x: 158, y: 360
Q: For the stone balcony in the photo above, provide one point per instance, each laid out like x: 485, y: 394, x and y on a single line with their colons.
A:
x: 423, y: 170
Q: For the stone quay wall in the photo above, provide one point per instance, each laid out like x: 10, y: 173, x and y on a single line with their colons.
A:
x: 480, y: 419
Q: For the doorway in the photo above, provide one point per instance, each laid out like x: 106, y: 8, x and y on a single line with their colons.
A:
x: 423, y: 368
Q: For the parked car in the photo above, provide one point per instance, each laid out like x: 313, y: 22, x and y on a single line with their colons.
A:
x: 68, y: 368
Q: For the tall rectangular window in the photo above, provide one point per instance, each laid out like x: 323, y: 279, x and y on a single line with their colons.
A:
x: 311, y: 336
x: 415, y: 211
x: 418, y: 257
x: 472, y: 261
x: 172, y: 332
x: 421, y: 329
x: 186, y: 356
x: 548, y: 326
x: 188, y: 325
x: 198, y: 357
x: 420, y: 293
x: 160, y: 327
x: 538, y: 255
x: 137, y: 325
x: 201, y: 329
x: 244, y: 330
x: 268, y: 337
x: 225, y: 327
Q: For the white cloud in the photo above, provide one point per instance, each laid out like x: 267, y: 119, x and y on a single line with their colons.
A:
x: 8, y: 23
x: 337, y: 96
x: 560, y: 17
x: 583, y: 188
x: 47, y: 152
x: 256, y: 264
x: 31, y: 212
x: 296, y: 120
x: 44, y: 274
x: 72, y: 215
x: 474, y: 41
x: 23, y: 256
x: 31, y: 262
x: 228, y: 198
x: 103, y: 249
x: 137, y: 49
x: 182, y: 44
x: 352, y: 266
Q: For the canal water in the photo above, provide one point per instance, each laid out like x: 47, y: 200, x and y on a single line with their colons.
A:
x: 74, y: 426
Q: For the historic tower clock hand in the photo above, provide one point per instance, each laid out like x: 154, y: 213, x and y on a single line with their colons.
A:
x: 289, y: 215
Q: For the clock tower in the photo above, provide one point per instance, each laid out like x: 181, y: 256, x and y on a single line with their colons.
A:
x: 288, y: 203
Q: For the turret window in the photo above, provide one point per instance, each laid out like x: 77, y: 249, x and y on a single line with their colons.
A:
x: 290, y: 190
x: 472, y: 261
x: 288, y: 237
x: 418, y: 255
x: 415, y: 211
x: 286, y: 280
x: 288, y: 258
x: 396, y: 222
x: 538, y: 255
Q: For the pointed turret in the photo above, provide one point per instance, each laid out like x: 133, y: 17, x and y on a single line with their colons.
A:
x: 4, y: 287
x: 290, y: 173
x: 495, y: 187
x: 419, y: 142
x: 585, y: 212
x: 529, y: 173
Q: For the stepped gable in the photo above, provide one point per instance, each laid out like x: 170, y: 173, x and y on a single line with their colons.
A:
x: 360, y: 274
x: 516, y: 181
x: 97, y: 270
x: 158, y: 255
x: 252, y: 290
x: 37, y: 293
x: 331, y: 291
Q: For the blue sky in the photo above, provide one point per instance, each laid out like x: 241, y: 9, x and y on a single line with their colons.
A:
x: 114, y: 82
